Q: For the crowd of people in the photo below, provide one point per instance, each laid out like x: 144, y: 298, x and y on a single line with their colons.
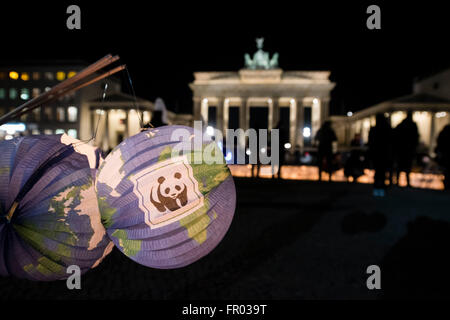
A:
x: 391, y: 152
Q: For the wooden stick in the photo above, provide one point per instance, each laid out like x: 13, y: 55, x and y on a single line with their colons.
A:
x: 80, y: 86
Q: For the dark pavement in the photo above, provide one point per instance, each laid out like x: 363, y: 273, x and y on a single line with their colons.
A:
x: 293, y: 240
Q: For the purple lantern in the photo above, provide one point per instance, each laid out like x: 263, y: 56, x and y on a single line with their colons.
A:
x: 166, y: 196
x: 49, y: 217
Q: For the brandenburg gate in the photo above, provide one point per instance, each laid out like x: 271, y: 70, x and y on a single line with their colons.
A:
x: 261, y: 84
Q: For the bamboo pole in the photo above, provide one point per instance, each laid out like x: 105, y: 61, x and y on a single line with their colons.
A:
x: 78, y: 87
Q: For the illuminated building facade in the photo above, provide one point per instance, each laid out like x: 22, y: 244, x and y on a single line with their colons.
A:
x: 429, y: 102
x: 263, y: 96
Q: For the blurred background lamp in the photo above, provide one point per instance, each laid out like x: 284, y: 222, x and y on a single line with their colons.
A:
x: 306, y: 132
x: 229, y: 156
x: 14, y: 75
x: 12, y: 128
x: 209, y: 131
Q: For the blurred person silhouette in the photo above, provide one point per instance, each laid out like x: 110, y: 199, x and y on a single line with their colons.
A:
x: 406, y: 139
x: 325, y: 137
x: 284, y: 138
x: 159, y: 115
x: 156, y: 121
x: 443, y: 154
x: 380, y: 152
x: 354, y: 167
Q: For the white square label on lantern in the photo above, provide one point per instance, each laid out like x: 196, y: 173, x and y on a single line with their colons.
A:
x: 167, y: 191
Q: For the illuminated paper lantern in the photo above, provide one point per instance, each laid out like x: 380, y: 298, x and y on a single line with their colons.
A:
x: 161, y: 208
x: 49, y: 217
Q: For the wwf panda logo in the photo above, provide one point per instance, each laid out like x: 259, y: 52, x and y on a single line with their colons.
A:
x: 167, y: 191
x: 170, y: 193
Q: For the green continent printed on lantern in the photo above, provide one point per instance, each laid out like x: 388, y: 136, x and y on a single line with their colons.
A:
x: 208, y: 176
x: 197, y: 222
x: 106, y: 212
x: 129, y: 247
x: 37, y: 240
x: 37, y: 232
x: 45, y: 267
x: 165, y: 154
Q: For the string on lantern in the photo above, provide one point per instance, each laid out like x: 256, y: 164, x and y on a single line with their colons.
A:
x: 135, y: 103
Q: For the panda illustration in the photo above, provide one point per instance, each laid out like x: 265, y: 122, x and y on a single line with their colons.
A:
x: 169, y: 194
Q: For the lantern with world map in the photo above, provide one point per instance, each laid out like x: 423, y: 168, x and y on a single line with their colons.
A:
x: 49, y: 217
x: 166, y: 196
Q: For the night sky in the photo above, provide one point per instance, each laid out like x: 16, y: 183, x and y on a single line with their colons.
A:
x: 163, y: 43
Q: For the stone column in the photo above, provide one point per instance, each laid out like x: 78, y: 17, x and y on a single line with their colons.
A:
x: 107, y: 140
x: 300, y: 122
x: 244, y: 119
x: 219, y: 113
x: 316, y: 117
x: 432, y: 133
x: 275, y: 113
x: 204, y: 106
x: 197, y: 101
x: 226, y: 114
x: 93, y: 124
x: 324, y: 109
x: 292, y: 123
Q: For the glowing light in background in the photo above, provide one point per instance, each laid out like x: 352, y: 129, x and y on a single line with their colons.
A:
x: 14, y: 75
x: 349, y: 114
x: 25, y: 76
x: 12, y: 128
x: 24, y: 94
x: 229, y: 156
x: 418, y: 180
x: 60, y: 75
x: 287, y: 145
x: 209, y: 131
x: 307, y: 132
